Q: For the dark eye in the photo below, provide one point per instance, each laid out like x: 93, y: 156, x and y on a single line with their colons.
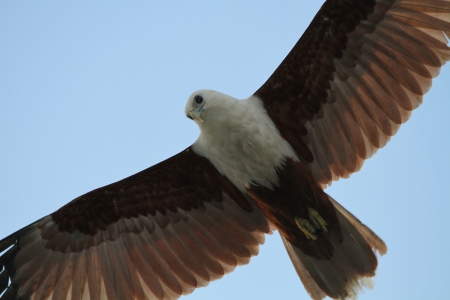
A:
x: 198, y: 99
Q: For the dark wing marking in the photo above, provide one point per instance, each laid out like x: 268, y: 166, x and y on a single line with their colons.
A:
x: 354, y: 77
x: 158, y: 234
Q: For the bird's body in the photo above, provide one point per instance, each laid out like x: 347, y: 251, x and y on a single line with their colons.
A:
x: 231, y: 147
x: 262, y: 165
x: 259, y: 164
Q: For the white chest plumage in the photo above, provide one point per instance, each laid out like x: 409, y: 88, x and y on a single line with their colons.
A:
x: 242, y: 142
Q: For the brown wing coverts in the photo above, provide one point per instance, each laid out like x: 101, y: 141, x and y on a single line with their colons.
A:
x: 158, y: 234
x: 184, y: 181
x: 354, y: 77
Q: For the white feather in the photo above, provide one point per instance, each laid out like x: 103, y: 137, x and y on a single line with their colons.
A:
x: 240, y: 139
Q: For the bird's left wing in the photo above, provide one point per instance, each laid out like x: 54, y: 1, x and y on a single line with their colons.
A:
x: 354, y: 77
x: 158, y: 234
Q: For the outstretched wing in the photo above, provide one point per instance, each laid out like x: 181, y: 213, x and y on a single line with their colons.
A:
x: 158, y: 234
x: 354, y: 77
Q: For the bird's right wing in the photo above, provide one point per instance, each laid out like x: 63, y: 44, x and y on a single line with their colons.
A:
x: 158, y: 234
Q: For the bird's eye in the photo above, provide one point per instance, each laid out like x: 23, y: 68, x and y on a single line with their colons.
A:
x: 198, y: 99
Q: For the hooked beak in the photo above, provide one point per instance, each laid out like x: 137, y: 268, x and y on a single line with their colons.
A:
x: 196, y: 113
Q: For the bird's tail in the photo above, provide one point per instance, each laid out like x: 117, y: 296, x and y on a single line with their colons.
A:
x: 352, y: 264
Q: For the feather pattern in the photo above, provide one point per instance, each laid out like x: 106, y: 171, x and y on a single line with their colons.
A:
x: 351, y: 265
x: 137, y: 251
x: 375, y: 60
x: 351, y: 80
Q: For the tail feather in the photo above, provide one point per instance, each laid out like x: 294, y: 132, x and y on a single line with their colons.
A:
x: 371, y: 238
x: 351, y: 266
x: 310, y: 285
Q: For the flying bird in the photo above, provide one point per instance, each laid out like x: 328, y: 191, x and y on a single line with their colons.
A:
x: 260, y: 164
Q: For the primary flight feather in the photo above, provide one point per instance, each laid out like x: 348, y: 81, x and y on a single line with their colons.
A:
x: 259, y: 164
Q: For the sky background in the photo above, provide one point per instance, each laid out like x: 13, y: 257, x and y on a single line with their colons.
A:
x: 91, y: 93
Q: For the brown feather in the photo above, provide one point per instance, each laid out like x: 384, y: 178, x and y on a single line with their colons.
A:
x: 375, y: 64
x: 355, y: 75
x: 201, y: 227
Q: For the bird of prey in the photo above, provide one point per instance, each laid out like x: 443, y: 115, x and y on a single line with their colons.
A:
x: 259, y: 164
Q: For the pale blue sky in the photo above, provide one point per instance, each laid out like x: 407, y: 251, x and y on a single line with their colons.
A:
x: 92, y: 93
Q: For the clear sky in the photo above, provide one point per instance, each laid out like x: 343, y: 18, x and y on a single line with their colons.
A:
x: 93, y: 92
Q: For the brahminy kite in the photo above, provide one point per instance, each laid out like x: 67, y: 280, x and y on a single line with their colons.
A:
x: 259, y: 164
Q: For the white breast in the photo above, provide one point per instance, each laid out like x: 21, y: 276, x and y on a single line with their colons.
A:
x: 243, y: 143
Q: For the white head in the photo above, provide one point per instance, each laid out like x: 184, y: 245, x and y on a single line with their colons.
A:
x: 238, y: 137
x: 207, y: 106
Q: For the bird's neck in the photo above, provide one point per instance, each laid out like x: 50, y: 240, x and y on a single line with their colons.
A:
x: 231, y: 141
